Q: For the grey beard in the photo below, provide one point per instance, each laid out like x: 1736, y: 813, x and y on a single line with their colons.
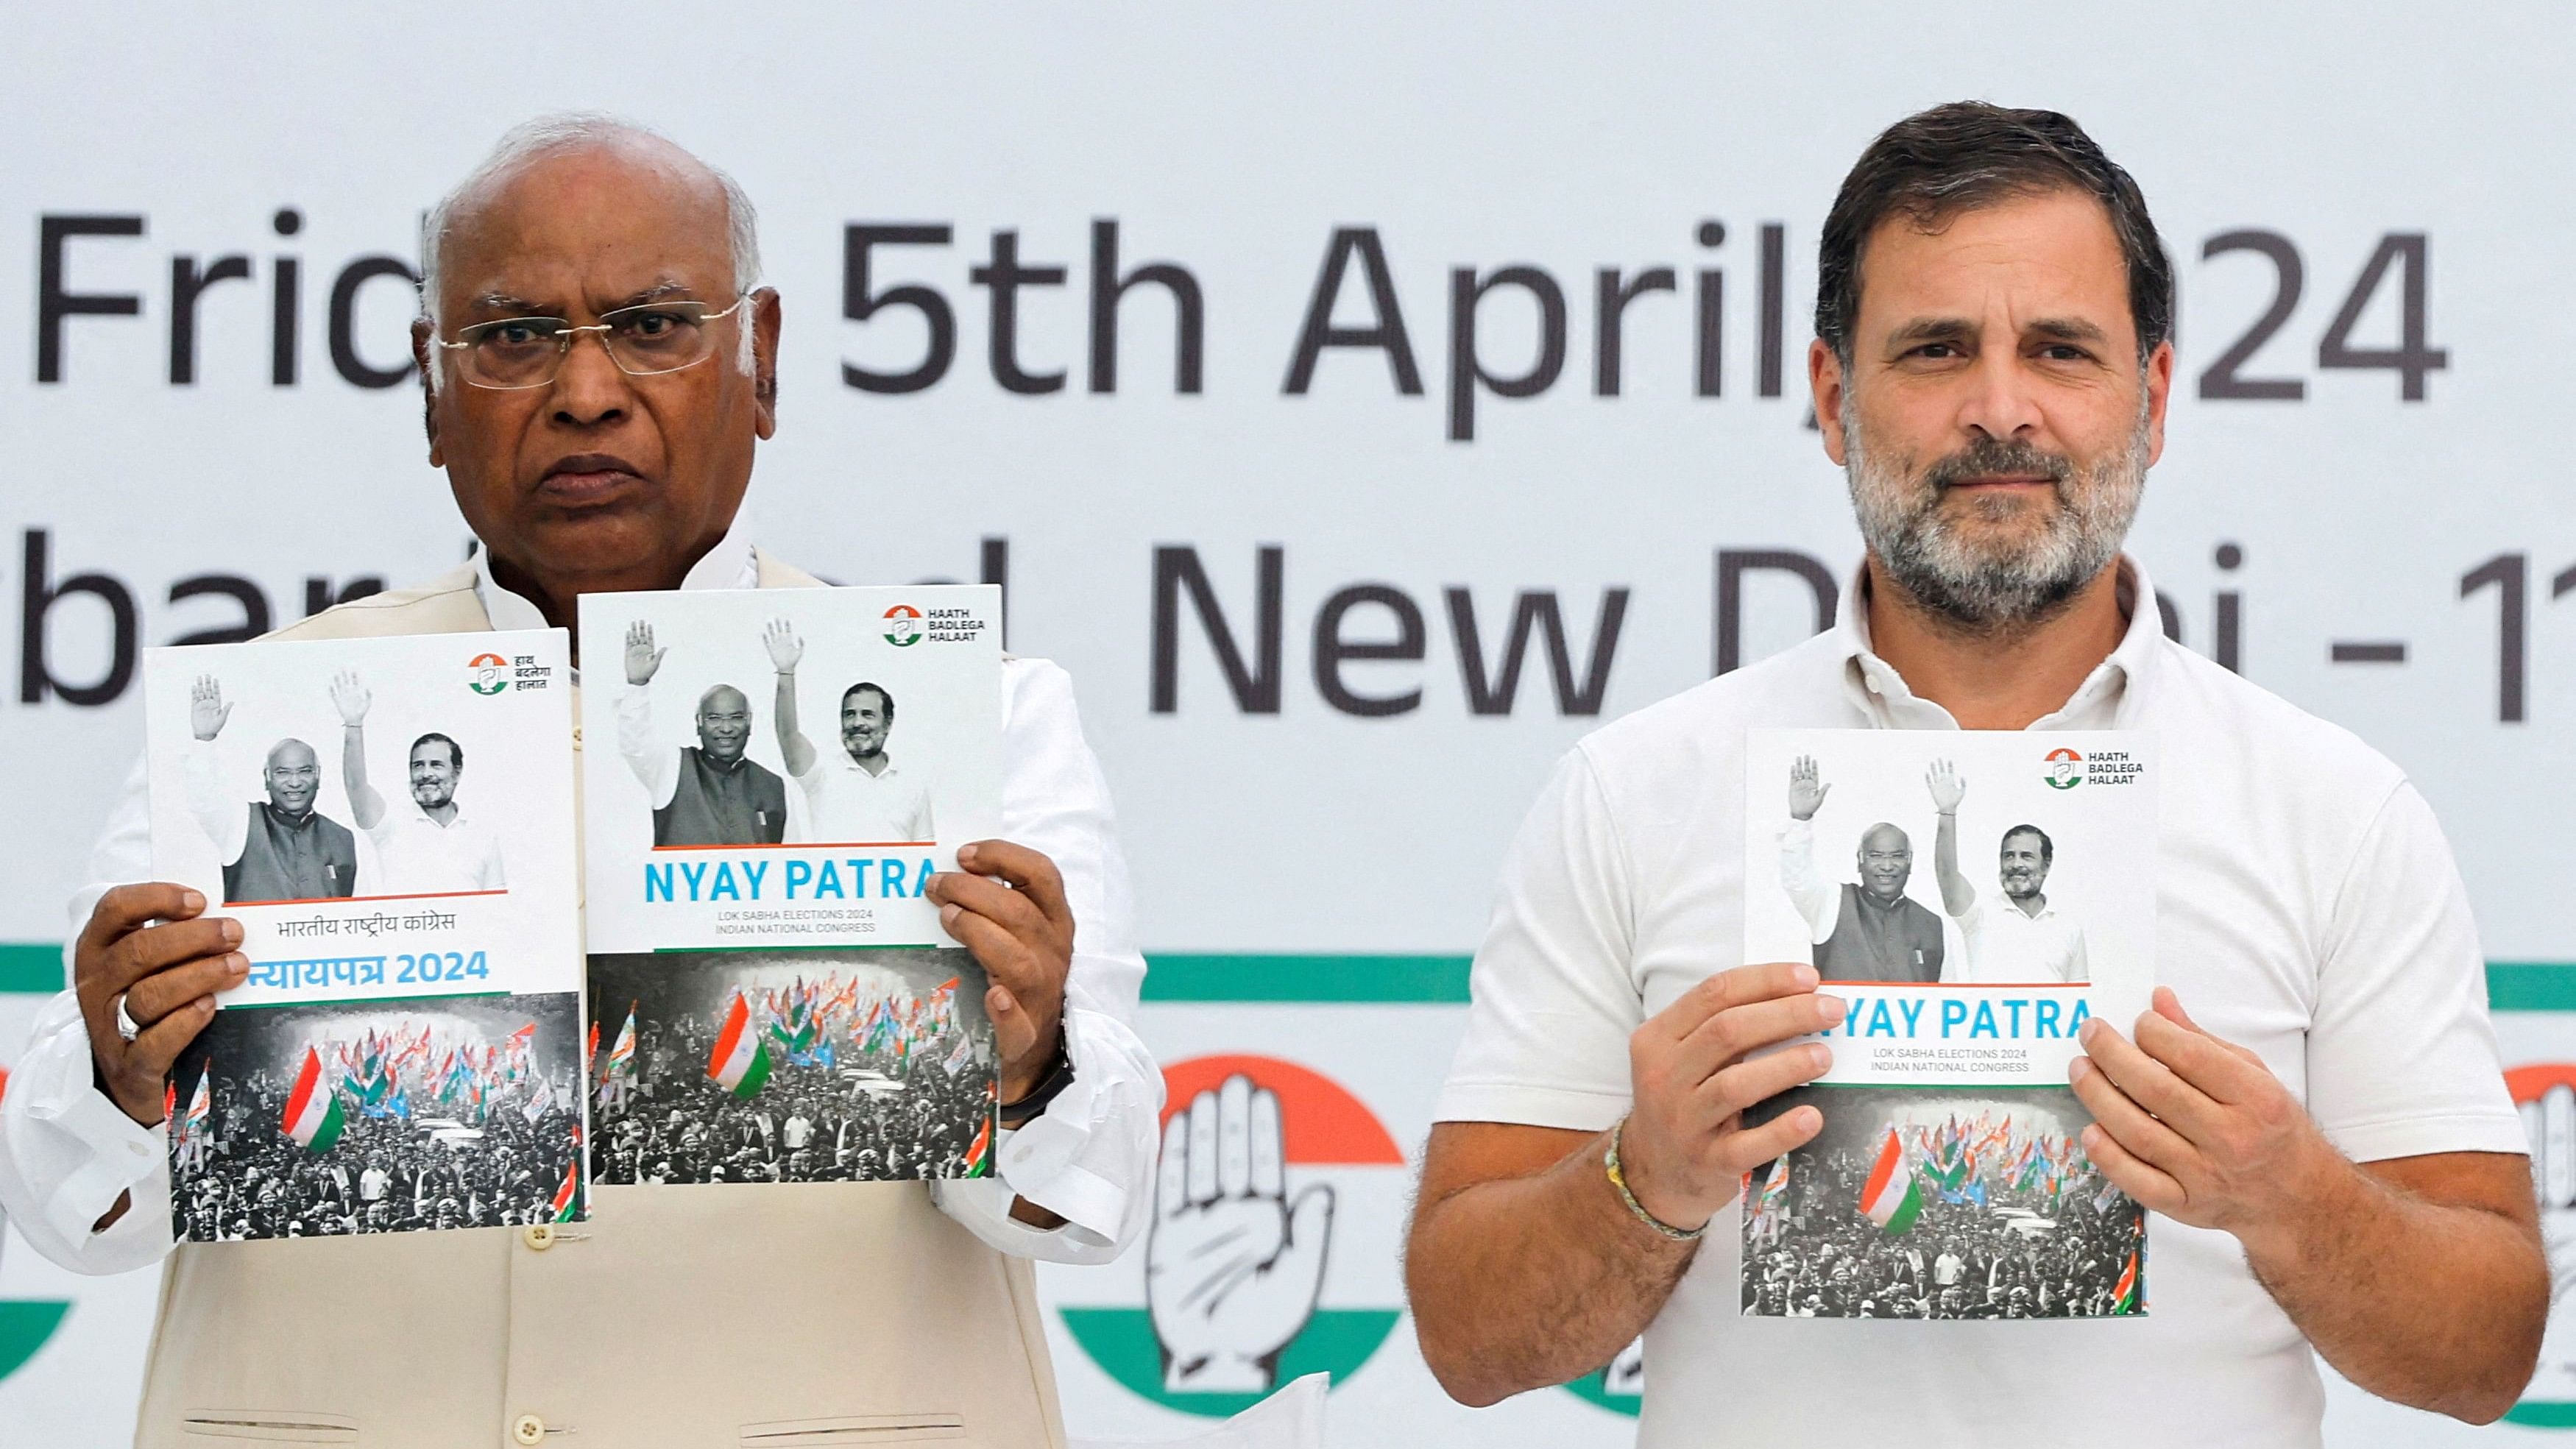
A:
x: 1978, y: 590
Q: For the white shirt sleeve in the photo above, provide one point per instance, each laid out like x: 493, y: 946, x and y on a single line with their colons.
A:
x: 226, y: 822
x: 67, y: 1152
x: 2078, y: 965
x: 654, y: 763
x: 1089, y: 1158
x: 1819, y: 903
x: 2401, y: 1058
x: 487, y: 868
x: 1552, y: 1002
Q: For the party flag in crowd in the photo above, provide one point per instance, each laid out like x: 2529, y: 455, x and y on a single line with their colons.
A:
x: 1891, y: 1198
x: 194, y: 1128
x: 566, y: 1195
x: 2124, y: 1298
x: 978, y: 1163
x: 312, y: 1109
x: 739, y: 1063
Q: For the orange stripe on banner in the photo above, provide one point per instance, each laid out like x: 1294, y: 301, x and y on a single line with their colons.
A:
x: 2527, y: 1083
x: 1319, y: 1120
x: 327, y: 900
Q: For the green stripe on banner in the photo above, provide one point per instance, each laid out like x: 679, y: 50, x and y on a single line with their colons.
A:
x: 31, y: 968
x: 1247, y: 976
x: 2531, y: 985
x: 1253, y: 976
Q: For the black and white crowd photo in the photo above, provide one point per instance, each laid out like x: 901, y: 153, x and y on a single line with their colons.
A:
x: 378, y: 1117
x: 1939, y: 1202
x: 851, y: 1065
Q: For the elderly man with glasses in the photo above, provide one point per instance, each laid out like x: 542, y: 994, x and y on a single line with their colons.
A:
x: 678, y: 1315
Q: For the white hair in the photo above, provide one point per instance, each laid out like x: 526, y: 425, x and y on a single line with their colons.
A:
x: 572, y: 131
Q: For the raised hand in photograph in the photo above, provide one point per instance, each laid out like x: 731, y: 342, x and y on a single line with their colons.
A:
x: 642, y: 659
x: 1233, y: 1266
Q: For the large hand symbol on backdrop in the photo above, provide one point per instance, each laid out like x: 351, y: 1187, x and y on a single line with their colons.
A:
x: 2551, y: 1124
x: 1232, y: 1267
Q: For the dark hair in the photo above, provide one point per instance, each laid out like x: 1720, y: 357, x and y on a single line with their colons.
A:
x: 2047, y: 847
x: 455, y: 751
x: 878, y: 690
x: 1935, y: 164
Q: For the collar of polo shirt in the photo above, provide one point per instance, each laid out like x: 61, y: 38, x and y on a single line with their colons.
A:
x: 2113, y: 696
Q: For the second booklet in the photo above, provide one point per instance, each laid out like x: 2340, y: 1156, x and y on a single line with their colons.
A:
x: 784, y: 767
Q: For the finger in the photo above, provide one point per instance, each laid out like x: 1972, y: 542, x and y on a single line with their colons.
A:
x: 1310, y: 1231
x: 2142, y: 1134
x: 158, y: 948
x: 2148, y: 1082
x: 164, y: 991
x: 1172, y: 1182
x: 1202, y: 1178
x: 1762, y: 1078
x: 1741, y: 1152
x: 1739, y: 1031
x: 996, y: 902
x: 2155, y: 1189
x: 1234, y: 1136
x: 2199, y: 1059
x: 1030, y: 870
x: 128, y: 908
x: 149, y: 1055
x: 1763, y: 981
x: 657, y: 654
x: 2169, y: 1006
x: 1035, y: 983
x: 1269, y: 1168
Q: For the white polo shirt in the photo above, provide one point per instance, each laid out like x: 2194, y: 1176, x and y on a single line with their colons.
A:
x: 2008, y: 944
x: 845, y: 805
x: 417, y: 856
x: 2308, y: 908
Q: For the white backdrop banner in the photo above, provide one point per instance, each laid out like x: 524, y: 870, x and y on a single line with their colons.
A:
x: 1362, y: 402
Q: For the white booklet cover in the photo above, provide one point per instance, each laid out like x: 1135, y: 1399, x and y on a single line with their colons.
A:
x: 784, y: 767
x: 1973, y: 897
x: 770, y: 779
x: 391, y: 821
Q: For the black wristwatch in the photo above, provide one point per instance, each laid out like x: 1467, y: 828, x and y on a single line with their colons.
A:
x: 1015, y: 1115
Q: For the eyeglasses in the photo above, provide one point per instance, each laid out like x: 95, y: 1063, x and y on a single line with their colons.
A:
x: 518, y: 352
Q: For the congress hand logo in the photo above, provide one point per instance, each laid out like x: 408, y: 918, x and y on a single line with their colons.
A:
x: 1233, y: 1265
x: 2546, y: 1092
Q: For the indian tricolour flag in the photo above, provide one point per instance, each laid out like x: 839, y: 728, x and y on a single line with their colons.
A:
x: 739, y: 1064
x: 567, y: 1195
x: 1891, y: 1198
x: 2124, y: 1297
x: 979, y: 1156
x: 312, y: 1108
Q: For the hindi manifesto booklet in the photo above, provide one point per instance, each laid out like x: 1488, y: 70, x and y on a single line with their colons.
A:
x: 1974, y: 898
x: 391, y: 821
x: 770, y: 780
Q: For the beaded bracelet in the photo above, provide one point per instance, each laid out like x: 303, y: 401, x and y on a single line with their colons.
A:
x: 1610, y: 1164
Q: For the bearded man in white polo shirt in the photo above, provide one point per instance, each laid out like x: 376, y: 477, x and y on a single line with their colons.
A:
x: 2323, y: 1136
x: 2020, y: 938
x: 428, y: 845
x: 856, y: 795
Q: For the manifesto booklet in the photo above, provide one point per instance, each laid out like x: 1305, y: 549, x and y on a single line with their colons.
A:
x: 391, y: 822
x: 770, y: 780
x: 1974, y: 898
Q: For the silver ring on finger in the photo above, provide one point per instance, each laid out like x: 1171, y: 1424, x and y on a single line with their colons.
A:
x: 125, y: 1023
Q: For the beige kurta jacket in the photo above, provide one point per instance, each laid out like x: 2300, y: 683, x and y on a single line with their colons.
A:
x: 784, y: 1316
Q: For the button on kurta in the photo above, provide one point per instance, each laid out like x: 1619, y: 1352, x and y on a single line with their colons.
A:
x: 528, y: 1429
x: 539, y: 1238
